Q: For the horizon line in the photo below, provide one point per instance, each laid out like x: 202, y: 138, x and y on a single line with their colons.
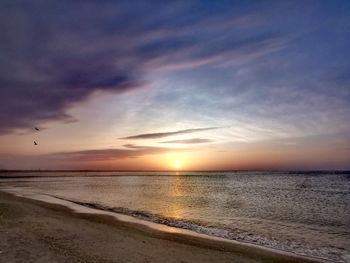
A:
x: 216, y: 170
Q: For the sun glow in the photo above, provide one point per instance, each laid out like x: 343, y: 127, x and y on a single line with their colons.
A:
x: 176, y: 161
x: 177, y: 164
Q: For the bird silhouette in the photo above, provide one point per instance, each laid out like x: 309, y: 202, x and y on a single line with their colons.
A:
x: 35, y: 143
x: 36, y: 129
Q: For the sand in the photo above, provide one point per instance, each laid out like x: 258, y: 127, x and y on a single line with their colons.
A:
x: 33, y: 231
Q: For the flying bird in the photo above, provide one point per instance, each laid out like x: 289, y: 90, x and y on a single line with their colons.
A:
x: 35, y: 143
x: 37, y: 129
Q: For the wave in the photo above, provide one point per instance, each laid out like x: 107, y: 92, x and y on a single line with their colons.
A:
x: 296, y: 247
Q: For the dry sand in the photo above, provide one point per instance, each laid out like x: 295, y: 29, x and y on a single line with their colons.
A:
x: 32, y: 231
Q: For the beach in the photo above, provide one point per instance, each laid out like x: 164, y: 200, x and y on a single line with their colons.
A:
x: 303, y: 214
x: 35, y: 231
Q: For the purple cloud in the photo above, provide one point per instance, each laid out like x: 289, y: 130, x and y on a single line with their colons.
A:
x: 167, y: 134
x: 70, y: 49
x: 108, y: 154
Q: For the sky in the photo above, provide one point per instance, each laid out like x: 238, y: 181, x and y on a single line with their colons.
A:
x: 175, y: 85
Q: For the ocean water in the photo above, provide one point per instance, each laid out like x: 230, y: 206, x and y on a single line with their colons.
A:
x: 306, y: 213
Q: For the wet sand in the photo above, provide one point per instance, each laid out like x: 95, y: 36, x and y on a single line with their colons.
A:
x: 34, y: 231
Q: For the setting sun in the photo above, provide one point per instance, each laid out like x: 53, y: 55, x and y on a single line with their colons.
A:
x: 177, y: 161
x: 177, y: 164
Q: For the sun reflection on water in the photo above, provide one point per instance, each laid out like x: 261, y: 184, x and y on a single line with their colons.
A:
x: 176, y: 208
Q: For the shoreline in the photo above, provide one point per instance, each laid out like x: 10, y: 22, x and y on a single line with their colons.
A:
x: 161, y: 232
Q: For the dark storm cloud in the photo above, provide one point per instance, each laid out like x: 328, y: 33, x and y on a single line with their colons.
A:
x: 55, y: 53
x: 190, y: 141
x: 167, y: 134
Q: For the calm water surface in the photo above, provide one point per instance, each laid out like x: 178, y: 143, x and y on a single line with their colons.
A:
x: 307, y: 213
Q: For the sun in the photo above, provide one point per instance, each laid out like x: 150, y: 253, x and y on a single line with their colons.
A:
x: 177, y: 164
x: 176, y: 161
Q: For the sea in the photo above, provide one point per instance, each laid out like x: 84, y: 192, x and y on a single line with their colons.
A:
x: 306, y: 213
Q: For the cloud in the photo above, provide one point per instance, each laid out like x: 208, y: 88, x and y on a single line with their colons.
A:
x: 76, y: 48
x: 108, y: 154
x: 190, y: 141
x: 133, y: 146
x: 167, y: 134
x: 78, y: 159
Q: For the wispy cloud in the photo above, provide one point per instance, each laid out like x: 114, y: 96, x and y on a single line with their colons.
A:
x: 132, y: 151
x: 77, y: 158
x: 167, y: 134
x: 190, y: 141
